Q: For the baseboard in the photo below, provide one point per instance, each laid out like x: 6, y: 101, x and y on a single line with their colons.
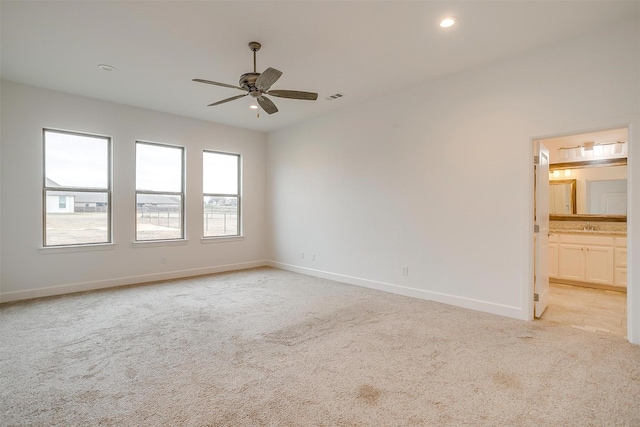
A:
x: 589, y: 285
x: 123, y: 281
x: 473, y: 304
x: 484, y: 306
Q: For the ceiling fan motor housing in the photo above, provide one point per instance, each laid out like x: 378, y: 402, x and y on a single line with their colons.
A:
x: 248, y: 82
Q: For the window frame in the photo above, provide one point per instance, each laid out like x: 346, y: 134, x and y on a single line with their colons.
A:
x: 238, y: 195
x: 182, y: 193
x: 107, y: 190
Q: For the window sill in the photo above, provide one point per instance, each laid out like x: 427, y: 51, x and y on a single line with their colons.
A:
x: 152, y: 243
x: 221, y: 239
x: 48, y: 250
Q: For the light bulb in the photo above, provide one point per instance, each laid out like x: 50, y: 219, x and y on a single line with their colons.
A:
x: 447, y: 22
x: 598, y: 150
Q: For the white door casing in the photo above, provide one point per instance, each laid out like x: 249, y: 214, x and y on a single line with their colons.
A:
x: 541, y: 218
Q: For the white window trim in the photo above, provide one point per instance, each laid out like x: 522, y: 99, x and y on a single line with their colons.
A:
x: 108, y: 190
x: 238, y: 195
x: 182, y: 193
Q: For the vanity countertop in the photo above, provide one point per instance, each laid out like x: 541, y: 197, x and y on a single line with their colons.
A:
x: 591, y: 232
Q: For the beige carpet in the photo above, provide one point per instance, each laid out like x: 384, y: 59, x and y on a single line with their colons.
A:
x: 266, y: 347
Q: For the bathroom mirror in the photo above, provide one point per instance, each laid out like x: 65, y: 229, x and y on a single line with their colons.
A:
x: 562, y: 197
x: 589, y: 190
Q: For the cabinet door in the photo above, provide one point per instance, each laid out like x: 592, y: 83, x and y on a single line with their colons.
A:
x: 571, y: 265
x: 599, y: 265
x: 620, y: 256
x: 620, y: 277
x: 553, y: 260
x: 620, y: 274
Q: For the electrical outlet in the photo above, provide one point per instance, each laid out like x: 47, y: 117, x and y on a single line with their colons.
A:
x: 405, y: 271
x: 301, y: 255
x: 313, y: 257
x: 163, y: 260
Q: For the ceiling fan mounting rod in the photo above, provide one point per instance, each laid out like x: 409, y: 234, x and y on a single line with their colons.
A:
x: 254, y: 46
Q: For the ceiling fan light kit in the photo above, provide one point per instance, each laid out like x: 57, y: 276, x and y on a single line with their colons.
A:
x: 257, y: 85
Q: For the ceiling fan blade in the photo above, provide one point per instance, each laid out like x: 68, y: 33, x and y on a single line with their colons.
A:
x: 267, y: 78
x: 209, y: 82
x: 267, y: 105
x: 294, y: 94
x: 228, y: 99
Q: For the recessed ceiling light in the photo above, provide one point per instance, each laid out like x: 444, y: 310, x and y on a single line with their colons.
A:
x: 253, y: 107
x: 105, y: 67
x: 447, y: 22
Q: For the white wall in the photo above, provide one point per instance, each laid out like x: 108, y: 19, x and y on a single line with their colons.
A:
x: 29, y: 271
x: 440, y: 178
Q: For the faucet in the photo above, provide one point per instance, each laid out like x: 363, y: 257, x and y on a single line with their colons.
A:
x: 590, y: 226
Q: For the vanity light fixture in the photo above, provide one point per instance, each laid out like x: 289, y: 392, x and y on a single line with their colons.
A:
x: 567, y: 172
x: 556, y: 174
x: 592, y: 149
x: 447, y: 22
x: 617, y: 147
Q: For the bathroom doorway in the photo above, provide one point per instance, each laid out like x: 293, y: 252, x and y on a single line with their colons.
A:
x: 587, y: 248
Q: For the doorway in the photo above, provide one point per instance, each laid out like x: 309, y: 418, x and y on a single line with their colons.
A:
x: 585, y: 247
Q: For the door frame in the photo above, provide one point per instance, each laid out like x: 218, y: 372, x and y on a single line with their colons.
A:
x: 541, y: 228
x: 633, y: 223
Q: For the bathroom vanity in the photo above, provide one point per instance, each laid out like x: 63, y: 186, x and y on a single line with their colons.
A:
x: 589, y: 258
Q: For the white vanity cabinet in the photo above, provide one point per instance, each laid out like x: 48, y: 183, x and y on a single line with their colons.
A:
x: 587, y: 258
x: 553, y: 256
x: 620, y: 258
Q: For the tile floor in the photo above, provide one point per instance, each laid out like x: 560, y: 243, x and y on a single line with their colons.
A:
x: 595, y: 310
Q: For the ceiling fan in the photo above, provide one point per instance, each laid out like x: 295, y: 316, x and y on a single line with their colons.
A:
x: 258, y: 84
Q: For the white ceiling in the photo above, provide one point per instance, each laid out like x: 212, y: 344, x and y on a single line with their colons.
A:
x: 362, y: 49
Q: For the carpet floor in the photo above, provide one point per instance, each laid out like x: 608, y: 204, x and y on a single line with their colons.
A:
x: 266, y: 347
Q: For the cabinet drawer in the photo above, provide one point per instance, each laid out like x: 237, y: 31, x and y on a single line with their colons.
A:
x: 621, y: 257
x: 577, y: 239
x: 620, y: 277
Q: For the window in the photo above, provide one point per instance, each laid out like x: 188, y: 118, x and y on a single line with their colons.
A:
x: 159, y: 192
x: 77, y: 171
x: 221, y: 194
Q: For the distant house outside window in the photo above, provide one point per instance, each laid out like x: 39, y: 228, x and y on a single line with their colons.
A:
x: 221, y: 194
x: 159, y: 192
x: 77, y: 168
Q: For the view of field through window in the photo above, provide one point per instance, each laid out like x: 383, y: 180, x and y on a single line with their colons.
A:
x: 159, y: 191
x: 221, y: 193
x: 77, y: 185
x: 77, y: 191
